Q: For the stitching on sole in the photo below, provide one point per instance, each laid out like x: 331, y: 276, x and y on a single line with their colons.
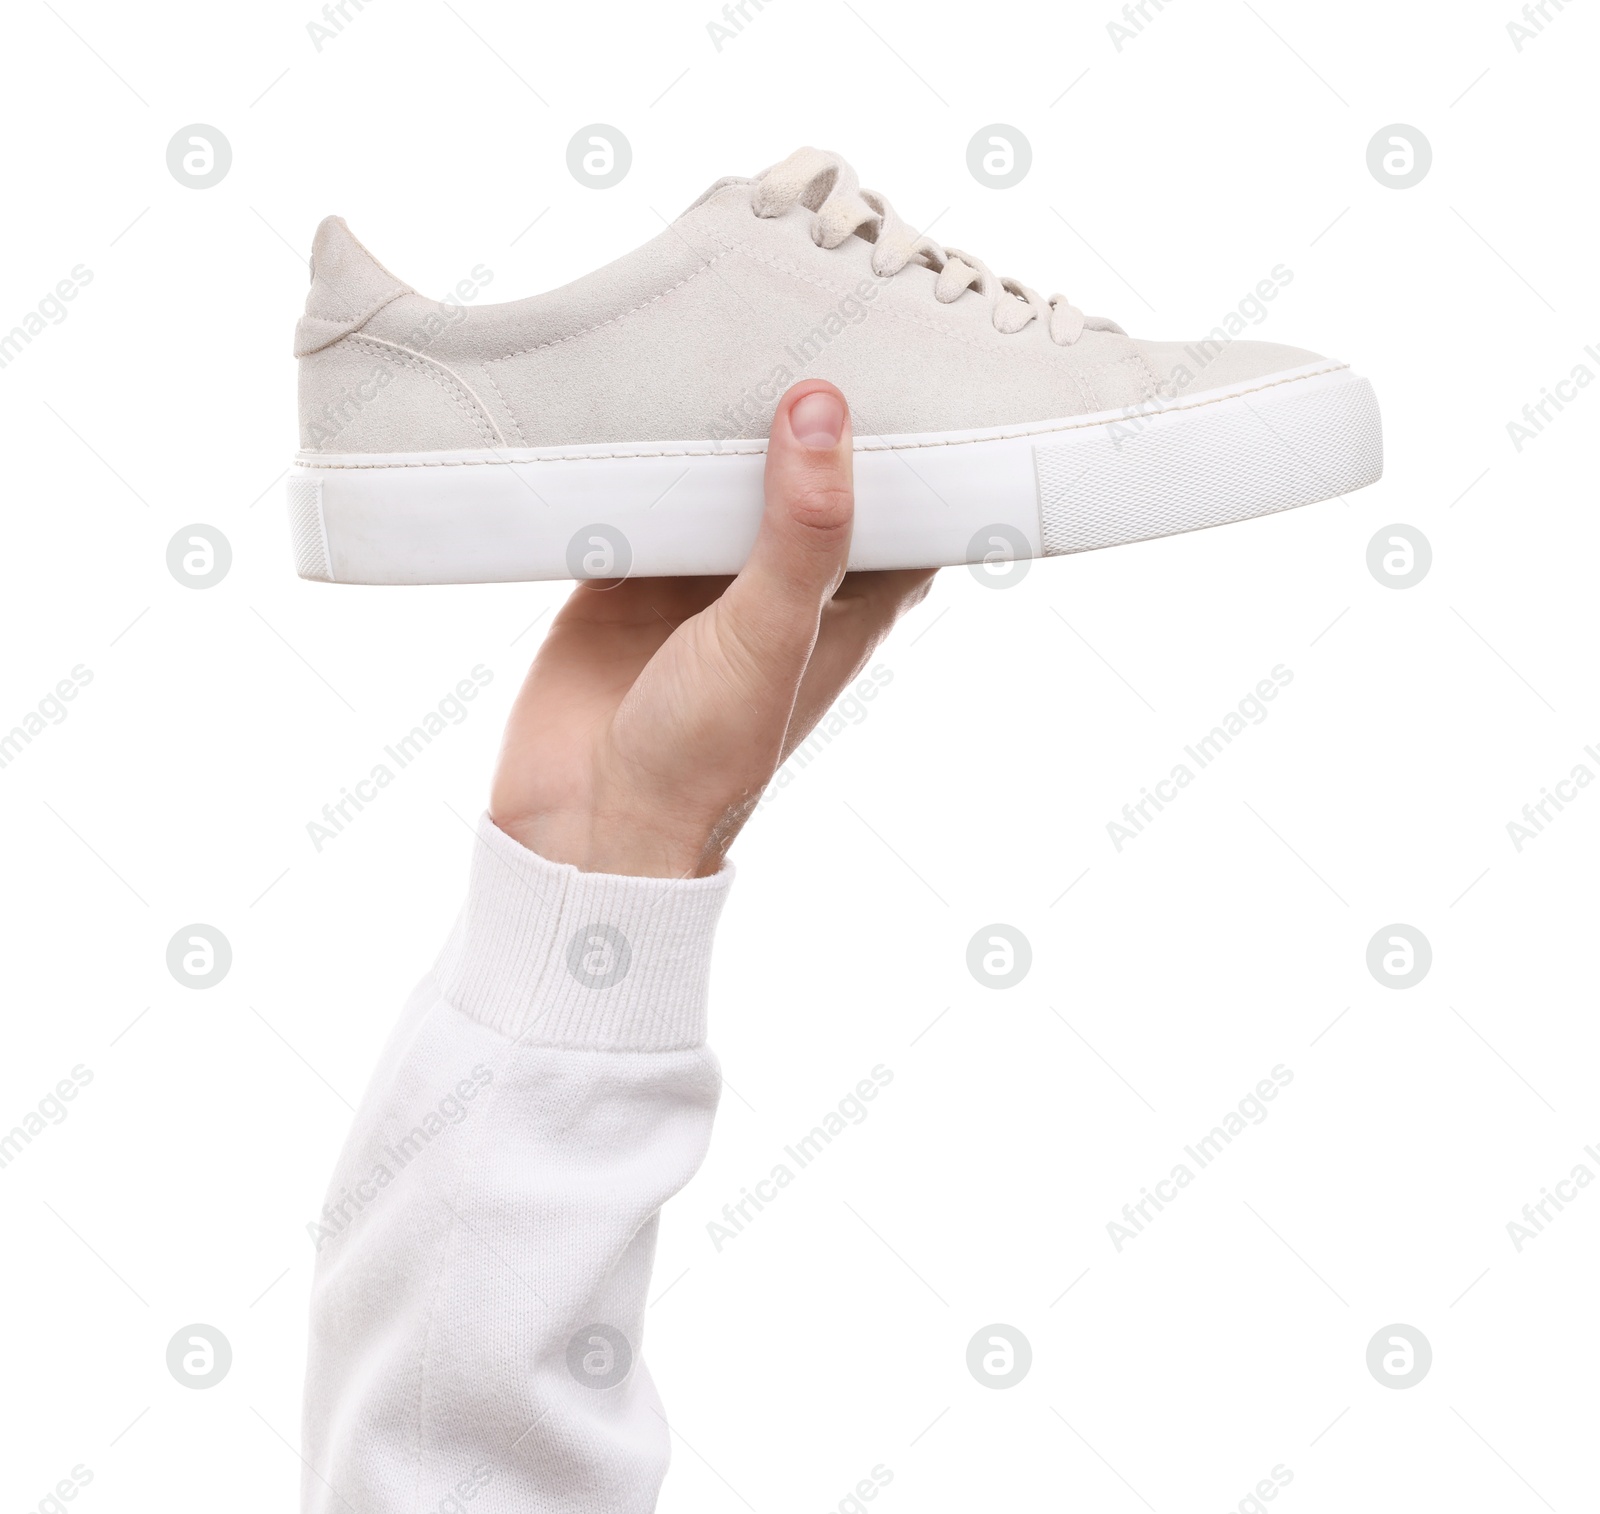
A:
x: 757, y: 449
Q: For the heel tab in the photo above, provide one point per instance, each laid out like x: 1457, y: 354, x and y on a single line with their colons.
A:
x: 348, y: 287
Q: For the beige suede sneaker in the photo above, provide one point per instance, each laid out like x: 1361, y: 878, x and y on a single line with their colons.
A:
x: 617, y: 426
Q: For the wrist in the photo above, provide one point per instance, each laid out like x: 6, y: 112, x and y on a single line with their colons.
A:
x: 619, y: 844
x: 552, y: 956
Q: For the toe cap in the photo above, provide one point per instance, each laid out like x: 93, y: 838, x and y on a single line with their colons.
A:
x: 1190, y: 367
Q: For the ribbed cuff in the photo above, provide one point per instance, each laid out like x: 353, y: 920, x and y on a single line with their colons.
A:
x: 552, y: 956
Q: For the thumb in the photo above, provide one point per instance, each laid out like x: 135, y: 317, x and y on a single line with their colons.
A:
x: 804, y: 542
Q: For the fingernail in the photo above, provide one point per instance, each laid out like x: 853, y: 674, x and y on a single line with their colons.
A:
x: 817, y: 420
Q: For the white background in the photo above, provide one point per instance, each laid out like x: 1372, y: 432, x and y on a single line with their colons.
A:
x: 1168, y: 178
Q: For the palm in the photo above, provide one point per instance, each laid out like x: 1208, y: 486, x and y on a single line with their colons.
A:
x: 637, y: 690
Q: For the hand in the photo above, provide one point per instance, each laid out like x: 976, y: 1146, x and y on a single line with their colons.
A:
x: 657, y: 710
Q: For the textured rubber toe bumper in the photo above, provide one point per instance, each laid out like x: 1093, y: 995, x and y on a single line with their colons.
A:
x: 660, y: 509
x: 1184, y: 467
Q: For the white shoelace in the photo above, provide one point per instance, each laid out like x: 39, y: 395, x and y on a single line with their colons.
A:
x: 825, y: 184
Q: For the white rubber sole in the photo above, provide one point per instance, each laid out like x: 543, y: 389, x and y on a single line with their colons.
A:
x: 659, y: 509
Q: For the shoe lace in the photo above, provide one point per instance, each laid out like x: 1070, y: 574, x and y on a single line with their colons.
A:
x: 826, y: 185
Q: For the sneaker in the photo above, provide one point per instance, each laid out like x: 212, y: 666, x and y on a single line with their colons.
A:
x: 617, y: 426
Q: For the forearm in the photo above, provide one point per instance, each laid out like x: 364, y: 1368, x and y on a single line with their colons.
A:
x: 483, y: 1266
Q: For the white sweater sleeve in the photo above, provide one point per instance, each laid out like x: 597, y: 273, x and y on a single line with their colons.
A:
x: 485, y: 1252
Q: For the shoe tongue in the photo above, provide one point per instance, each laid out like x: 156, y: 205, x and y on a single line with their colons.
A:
x: 802, y: 159
x: 721, y: 183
